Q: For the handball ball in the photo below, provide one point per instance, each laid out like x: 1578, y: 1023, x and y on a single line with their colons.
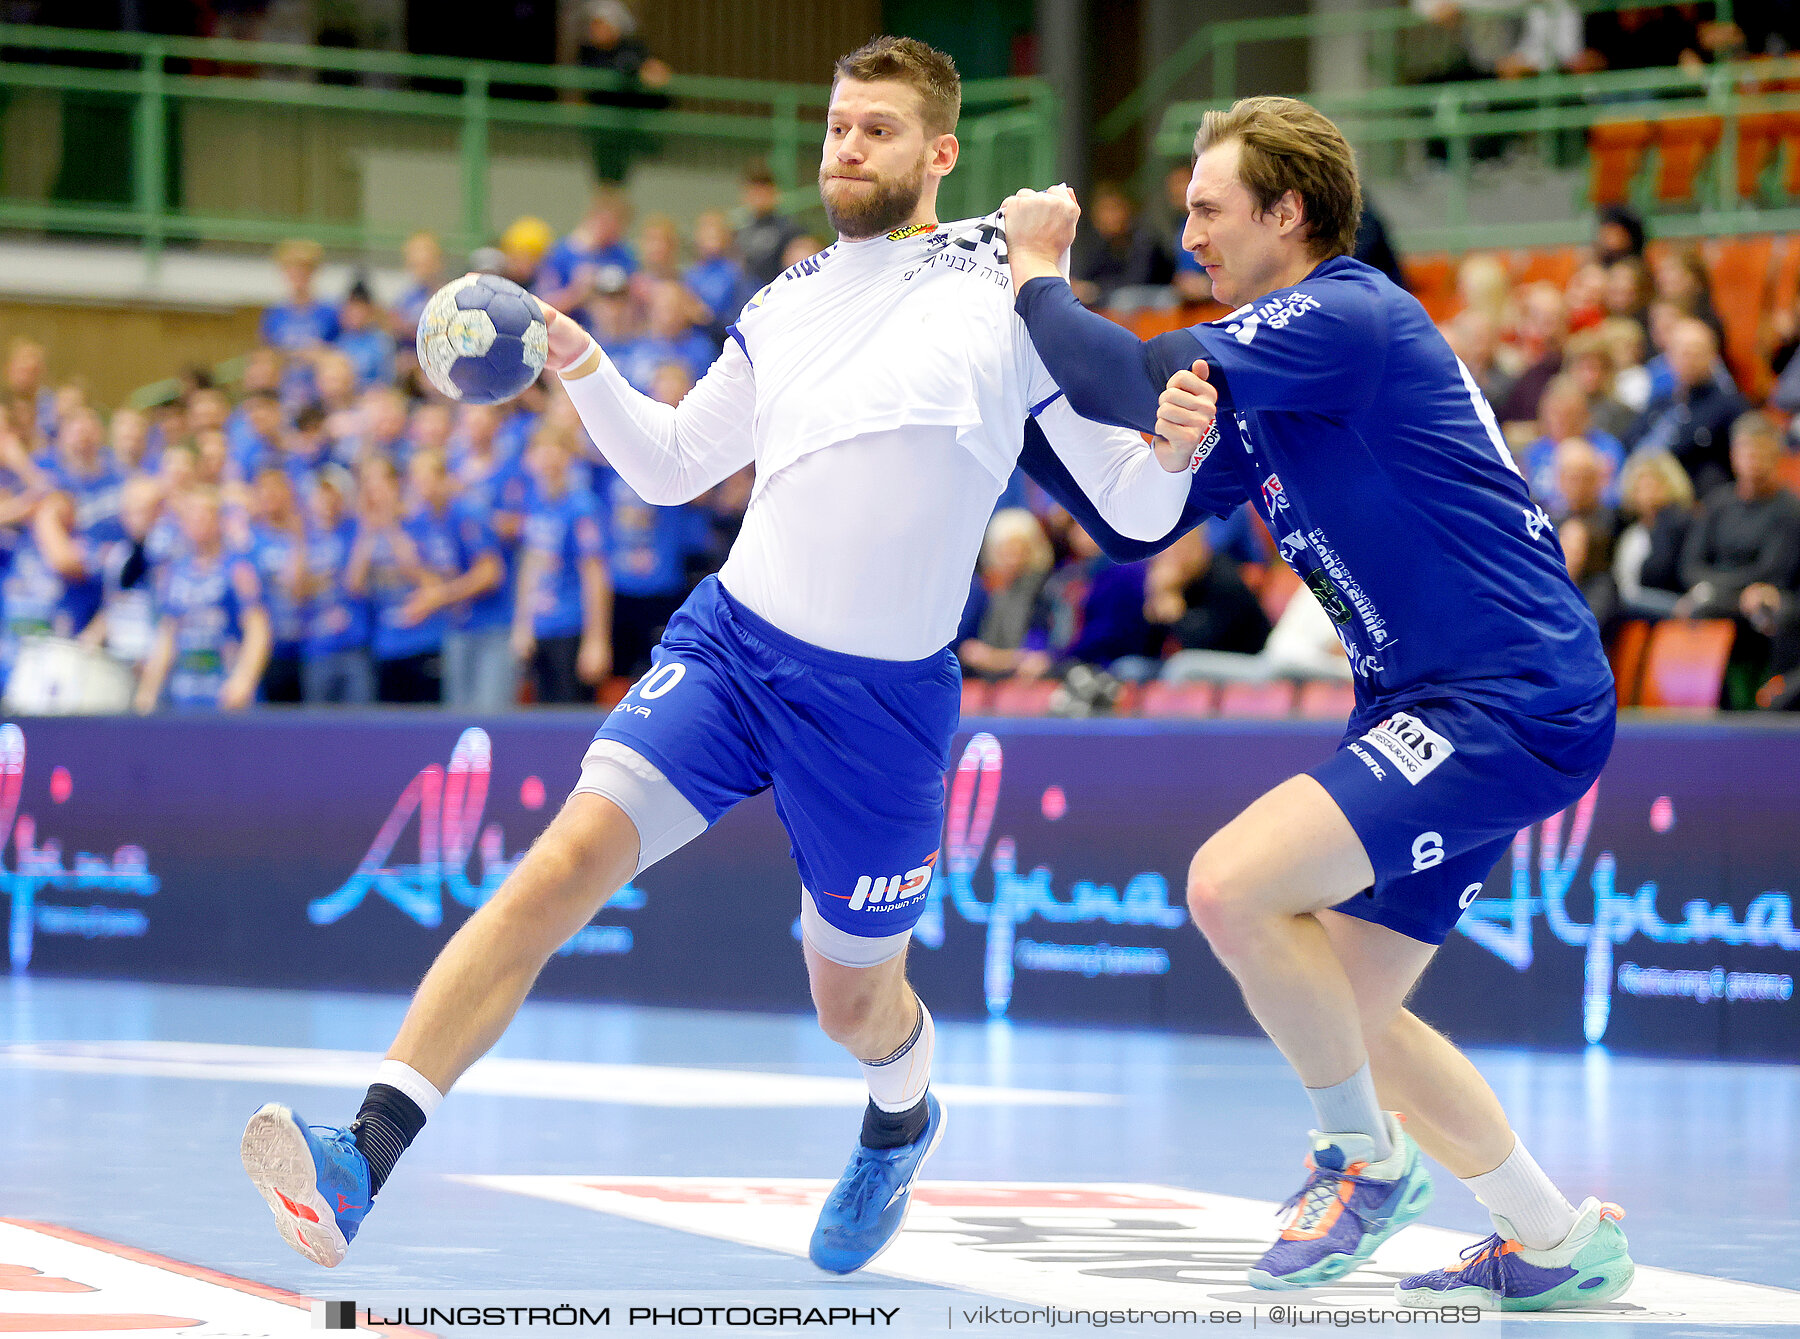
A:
x: 482, y: 339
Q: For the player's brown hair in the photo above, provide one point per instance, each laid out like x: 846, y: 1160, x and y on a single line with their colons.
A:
x: 1290, y: 146
x: 925, y: 69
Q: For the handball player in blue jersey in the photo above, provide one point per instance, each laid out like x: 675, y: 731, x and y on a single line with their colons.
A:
x: 1484, y: 703
x: 881, y: 389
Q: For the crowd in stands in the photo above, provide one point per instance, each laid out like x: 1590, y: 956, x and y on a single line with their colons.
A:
x: 329, y: 530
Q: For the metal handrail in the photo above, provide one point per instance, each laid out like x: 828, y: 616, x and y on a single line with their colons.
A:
x: 772, y: 113
x: 1220, y: 42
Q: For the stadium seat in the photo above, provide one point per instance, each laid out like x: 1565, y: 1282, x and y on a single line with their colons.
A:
x: 1740, y: 268
x: 975, y: 696
x: 1683, y: 144
x: 1177, y: 699
x: 1759, y: 138
x: 1023, y: 697
x: 1326, y: 700
x: 1685, y: 666
x: 1260, y: 701
x: 1615, y: 153
x: 1432, y: 280
x: 1554, y: 265
x: 1789, y: 470
x: 1627, y: 656
x: 613, y: 691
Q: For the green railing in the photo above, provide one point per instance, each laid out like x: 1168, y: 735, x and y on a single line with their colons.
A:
x: 1218, y: 46
x: 1008, y: 129
x: 1458, y: 115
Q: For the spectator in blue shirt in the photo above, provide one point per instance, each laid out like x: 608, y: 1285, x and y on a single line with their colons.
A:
x: 716, y: 277
x: 213, y: 640
x: 362, y: 340
x: 562, y: 620
x: 303, y: 324
x: 647, y: 553
x: 467, y: 590
x: 423, y: 256
x: 381, y: 415
x: 253, y: 432
x: 335, y: 663
x: 594, y: 251
x: 1563, y: 414
x: 671, y: 337
x: 390, y: 564
x: 276, y: 542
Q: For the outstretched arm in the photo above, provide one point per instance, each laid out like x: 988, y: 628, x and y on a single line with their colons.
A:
x: 669, y: 455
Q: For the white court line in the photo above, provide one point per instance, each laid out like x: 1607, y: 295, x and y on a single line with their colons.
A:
x: 1102, y: 1246
x: 566, y: 1080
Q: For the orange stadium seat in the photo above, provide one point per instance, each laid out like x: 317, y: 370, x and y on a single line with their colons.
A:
x: 1556, y: 265
x: 1759, y: 138
x: 1326, y: 700
x: 1261, y: 701
x: 1685, y: 666
x: 975, y: 696
x: 1789, y: 470
x: 1740, y: 268
x: 1022, y: 697
x: 1432, y: 280
x: 1615, y: 153
x: 1683, y: 145
x: 1177, y: 699
x: 1627, y: 655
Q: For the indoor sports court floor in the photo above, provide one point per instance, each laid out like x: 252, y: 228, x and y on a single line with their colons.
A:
x: 632, y: 1156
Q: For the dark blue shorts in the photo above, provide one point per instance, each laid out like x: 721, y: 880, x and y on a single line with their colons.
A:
x: 1438, y: 788
x: 854, y: 748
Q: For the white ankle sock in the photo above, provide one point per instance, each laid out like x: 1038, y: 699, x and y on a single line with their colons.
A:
x: 397, y: 1074
x: 1350, y: 1108
x: 1519, y: 1192
x: 899, y: 1080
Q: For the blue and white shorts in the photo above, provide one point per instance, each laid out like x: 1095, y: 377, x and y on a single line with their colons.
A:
x: 854, y: 748
x: 1437, y: 789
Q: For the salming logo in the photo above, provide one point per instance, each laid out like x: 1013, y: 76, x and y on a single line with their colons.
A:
x: 892, y: 888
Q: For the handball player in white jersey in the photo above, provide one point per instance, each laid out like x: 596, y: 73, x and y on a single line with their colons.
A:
x: 881, y: 389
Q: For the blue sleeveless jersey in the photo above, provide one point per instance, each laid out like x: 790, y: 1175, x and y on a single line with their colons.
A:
x: 1364, y: 443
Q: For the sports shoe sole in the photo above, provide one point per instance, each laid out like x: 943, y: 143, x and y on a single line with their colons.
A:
x: 1429, y: 1300
x: 943, y: 1119
x: 280, y: 1166
x: 1334, y: 1267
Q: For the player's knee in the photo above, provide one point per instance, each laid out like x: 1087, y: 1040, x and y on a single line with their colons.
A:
x: 846, y: 1016
x: 1217, y: 908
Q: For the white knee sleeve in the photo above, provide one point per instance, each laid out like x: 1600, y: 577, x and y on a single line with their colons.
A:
x: 664, y: 818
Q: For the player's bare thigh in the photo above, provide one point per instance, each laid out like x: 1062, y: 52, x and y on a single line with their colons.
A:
x: 1292, y: 851
x: 588, y: 853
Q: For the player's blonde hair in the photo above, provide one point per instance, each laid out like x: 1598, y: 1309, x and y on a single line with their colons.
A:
x: 1288, y: 145
x: 906, y: 60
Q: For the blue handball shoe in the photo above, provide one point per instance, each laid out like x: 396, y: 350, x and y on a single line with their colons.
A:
x: 314, y: 1177
x: 865, y: 1209
x: 1349, y: 1205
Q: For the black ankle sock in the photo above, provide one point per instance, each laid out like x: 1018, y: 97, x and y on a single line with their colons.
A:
x: 388, y: 1122
x: 891, y: 1129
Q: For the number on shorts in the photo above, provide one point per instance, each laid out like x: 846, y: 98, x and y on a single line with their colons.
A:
x: 661, y: 679
x: 1427, y: 850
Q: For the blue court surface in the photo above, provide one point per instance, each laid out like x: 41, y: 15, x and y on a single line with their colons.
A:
x: 612, y: 1157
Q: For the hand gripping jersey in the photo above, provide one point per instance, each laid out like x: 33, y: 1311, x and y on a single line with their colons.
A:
x: 881, y: 389
x: 1365, y: 445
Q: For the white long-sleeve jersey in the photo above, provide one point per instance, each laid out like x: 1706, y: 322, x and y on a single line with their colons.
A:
x: 881, y: 388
